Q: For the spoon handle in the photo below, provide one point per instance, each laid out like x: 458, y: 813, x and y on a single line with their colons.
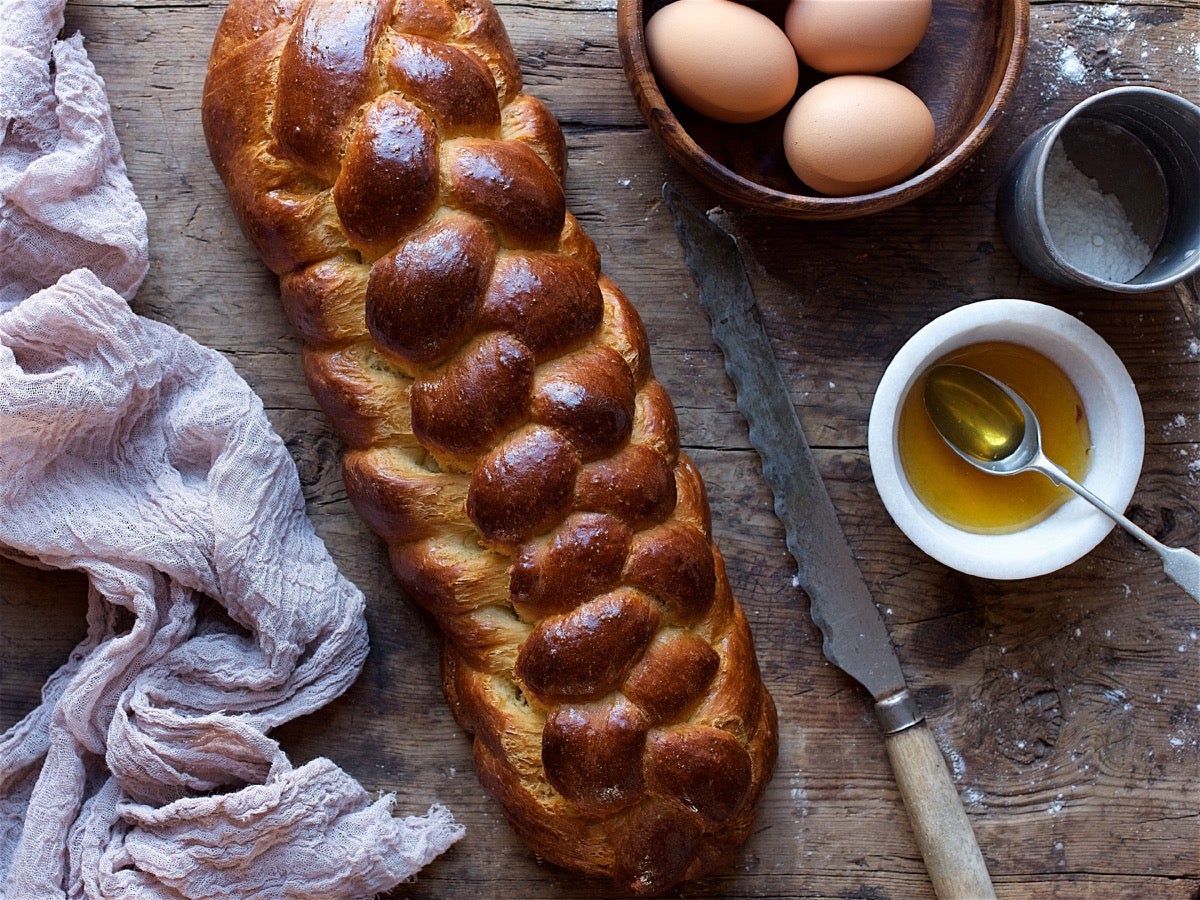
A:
x: 1180, y: 564
x: 1182, y: 567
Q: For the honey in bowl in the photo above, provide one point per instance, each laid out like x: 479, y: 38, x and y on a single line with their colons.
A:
x: 978, y: 501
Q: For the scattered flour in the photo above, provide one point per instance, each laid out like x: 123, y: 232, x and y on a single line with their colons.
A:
x: 1105, y: 43
x: 1179, y: 420
x: 1109, y: 20
x: 1070, y: 67
x: 1088, y: 227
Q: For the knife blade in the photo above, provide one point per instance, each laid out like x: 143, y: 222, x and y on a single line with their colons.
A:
x: 854, y: 636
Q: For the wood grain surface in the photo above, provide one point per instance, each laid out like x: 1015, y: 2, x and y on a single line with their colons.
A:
x: 1068, y: 705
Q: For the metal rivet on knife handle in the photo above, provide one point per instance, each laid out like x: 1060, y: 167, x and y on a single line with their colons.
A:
x: 855, y: 638
x: 897, y: 712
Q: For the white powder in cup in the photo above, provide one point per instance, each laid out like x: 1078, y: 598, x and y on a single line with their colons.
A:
x: 1089, y: 227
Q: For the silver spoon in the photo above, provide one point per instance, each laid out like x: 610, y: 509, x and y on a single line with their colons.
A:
x: 992, y: 427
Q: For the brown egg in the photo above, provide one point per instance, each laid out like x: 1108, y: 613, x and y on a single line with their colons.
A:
x: 722, y: 59
x: 856, y: 36
x: 853, y: 134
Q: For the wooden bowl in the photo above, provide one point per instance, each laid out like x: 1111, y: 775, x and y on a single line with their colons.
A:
x: 965, y: 70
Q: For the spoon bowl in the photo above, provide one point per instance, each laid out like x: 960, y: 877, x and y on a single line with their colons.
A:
x: 992, y: 429
x: 991, y: 426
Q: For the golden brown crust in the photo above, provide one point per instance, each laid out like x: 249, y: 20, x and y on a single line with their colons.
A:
x: 504, y: 432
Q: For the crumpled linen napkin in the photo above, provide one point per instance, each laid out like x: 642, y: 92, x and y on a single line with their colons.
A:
x: 215, y: 613
x: 65, y: 200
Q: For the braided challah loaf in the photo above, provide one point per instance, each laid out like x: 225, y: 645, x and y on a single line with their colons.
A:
x: 504, y: 433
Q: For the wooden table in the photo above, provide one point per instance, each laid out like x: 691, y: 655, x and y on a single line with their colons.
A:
x: 1068, y: 706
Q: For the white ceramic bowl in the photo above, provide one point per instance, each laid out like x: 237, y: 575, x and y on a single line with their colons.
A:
x: 1114, y: 416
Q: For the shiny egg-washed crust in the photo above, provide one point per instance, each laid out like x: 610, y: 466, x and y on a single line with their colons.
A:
x: 503, y: 431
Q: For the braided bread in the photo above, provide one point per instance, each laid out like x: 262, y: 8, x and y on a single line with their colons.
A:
x: 504, y: 433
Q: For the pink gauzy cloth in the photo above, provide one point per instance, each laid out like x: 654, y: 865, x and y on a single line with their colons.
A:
x: 131, y: 453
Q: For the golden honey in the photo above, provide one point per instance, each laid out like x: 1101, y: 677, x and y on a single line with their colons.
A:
x: 982, y: 502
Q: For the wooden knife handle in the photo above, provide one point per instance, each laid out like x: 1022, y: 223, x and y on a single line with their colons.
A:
x: 944, y: 834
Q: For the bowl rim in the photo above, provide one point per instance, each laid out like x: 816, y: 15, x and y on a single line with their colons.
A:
x: 1114, y: 416
x: 692, y: 157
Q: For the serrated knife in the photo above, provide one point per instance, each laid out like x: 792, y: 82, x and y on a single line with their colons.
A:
x: 855, y: 638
